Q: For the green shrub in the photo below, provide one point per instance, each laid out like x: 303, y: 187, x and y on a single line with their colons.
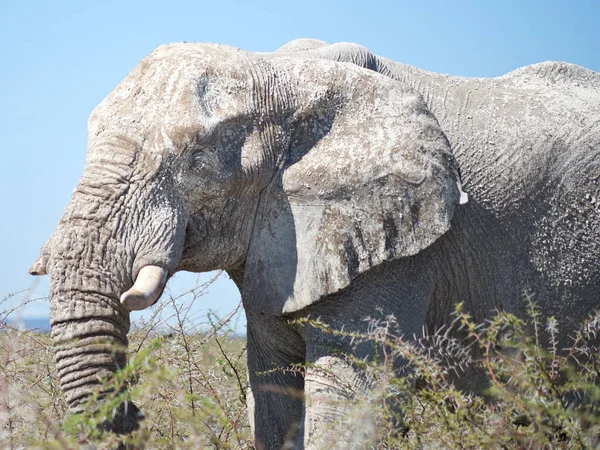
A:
x: 189, y: 380
x: 191, y: 387
x: 538, y: 396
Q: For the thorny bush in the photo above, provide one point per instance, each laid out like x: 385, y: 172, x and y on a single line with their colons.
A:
x: 191, y: 386
x: 189, y: 379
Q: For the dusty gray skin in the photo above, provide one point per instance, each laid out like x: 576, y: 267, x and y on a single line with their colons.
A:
x: 330, y: 190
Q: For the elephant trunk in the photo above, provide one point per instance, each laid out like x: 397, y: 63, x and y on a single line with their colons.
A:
x: 110, y: 236
x: 89, y: 331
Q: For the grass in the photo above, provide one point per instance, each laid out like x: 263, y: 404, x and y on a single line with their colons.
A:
x: 190, y: 384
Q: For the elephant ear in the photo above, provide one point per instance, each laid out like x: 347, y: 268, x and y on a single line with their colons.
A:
x: 369, y: 177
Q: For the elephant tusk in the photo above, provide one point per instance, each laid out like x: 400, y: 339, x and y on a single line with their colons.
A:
x: 146, y: 290
x: 464, y: 197
x: 38, y: 267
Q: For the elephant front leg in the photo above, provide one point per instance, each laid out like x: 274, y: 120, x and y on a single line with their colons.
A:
x: 276, y: 401
x: 335, y: 417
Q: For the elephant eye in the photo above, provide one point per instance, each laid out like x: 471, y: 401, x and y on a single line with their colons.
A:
x: 199, y: 157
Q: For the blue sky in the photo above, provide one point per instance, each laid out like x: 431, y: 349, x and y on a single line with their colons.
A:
x: 61, y: 58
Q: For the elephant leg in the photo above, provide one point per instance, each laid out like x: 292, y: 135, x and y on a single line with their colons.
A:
x: 332, y: 419
x: 276, y: 403
x: 343, y: 405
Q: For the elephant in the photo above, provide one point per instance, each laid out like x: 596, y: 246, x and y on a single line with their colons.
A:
x: 330, y: 183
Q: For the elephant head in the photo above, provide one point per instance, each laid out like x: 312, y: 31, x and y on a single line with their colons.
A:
x: 294, y: 175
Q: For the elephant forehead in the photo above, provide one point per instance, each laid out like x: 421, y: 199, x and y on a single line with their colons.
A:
x: 177, y: 92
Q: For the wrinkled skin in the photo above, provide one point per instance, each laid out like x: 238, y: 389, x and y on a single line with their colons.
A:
x: 325, y: 181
